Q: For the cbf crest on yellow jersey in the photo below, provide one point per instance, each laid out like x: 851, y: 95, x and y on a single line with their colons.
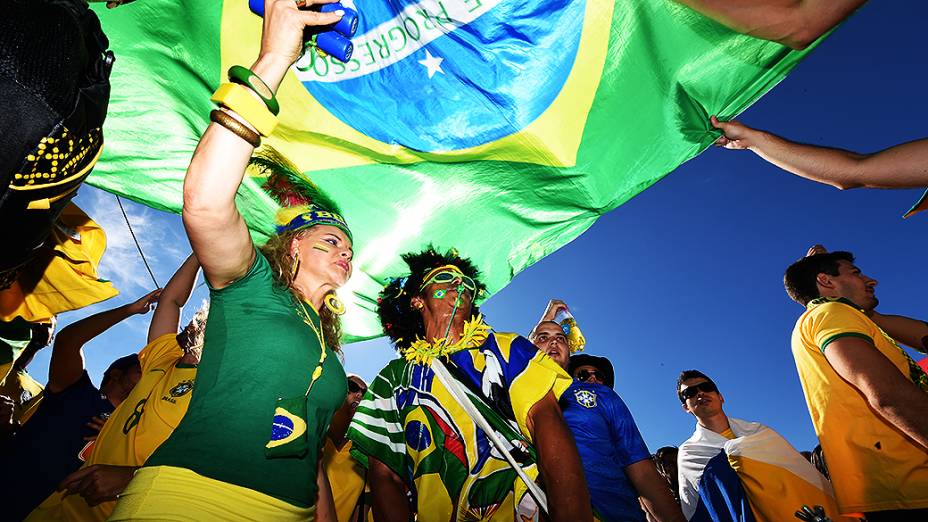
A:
x: 411, y: 423
x: 136, y: 428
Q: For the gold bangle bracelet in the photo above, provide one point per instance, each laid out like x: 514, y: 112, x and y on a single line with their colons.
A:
x: 235, y: 127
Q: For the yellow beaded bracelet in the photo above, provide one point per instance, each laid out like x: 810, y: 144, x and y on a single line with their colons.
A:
x: 251, y: 109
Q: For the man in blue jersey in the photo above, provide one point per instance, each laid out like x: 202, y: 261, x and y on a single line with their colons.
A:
x: 607, y: 437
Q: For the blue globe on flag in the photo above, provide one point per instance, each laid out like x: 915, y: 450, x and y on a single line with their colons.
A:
x: 441, y: 75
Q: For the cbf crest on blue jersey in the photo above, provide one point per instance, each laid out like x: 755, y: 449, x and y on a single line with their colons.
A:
x: 443, y: 75
x: 585, y: 398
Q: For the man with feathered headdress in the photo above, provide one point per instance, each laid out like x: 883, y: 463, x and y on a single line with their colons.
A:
x: 430, y: 418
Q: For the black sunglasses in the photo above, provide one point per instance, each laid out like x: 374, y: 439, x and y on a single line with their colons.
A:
x: 354, y: 387
x: 690, y: 391
x: 585, y: 375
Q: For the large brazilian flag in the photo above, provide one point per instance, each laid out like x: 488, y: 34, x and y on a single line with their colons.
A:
x: 503, y: 128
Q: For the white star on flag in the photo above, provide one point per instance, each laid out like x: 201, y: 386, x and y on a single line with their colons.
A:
x: 432, y: 63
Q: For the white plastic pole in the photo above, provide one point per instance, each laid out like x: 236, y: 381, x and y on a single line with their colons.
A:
x: 461, y: 396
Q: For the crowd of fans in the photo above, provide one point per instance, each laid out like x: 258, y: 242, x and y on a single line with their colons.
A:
x: 80, y: 446
x: 246, y: 412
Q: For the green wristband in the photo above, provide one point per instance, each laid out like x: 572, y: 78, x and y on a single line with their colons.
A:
x: 243, y: 76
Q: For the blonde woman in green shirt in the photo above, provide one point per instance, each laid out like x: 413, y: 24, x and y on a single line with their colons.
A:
x: 249, y: 445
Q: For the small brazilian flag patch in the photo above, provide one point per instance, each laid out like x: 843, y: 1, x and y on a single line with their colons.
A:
x: 288, y: 430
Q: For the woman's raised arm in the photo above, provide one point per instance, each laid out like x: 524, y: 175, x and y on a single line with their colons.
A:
x: 216, y: 230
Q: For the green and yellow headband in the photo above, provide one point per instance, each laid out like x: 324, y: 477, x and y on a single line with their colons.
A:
x: 298, y: 217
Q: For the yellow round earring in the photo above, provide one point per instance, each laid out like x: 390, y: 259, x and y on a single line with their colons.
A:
x: 295, y: 267
x: 333, y: 303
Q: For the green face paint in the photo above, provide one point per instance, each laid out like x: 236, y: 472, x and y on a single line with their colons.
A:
x: 439, y: 294
x: 320, y: 246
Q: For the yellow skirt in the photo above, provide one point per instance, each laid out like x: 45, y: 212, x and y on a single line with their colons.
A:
x: 177, y: 494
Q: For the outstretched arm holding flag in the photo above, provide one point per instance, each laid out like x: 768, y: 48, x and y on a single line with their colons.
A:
x: 902, y: 166
x: 794, y: 23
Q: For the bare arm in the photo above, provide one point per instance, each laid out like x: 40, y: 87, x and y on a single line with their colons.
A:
x: 910, y: 332
x: 173, y: 298
x: 795, y: 23
x: 67, y: 362
x: 325, y: 503
x: 894, y: 397
x: 214, y: 226
x: 388, y: 494
x: 902, y: 166
x: 559, y: 463
x: 554, y: 305
x: 653, y: 490
x: 98, y: 483
x: 338, y: 427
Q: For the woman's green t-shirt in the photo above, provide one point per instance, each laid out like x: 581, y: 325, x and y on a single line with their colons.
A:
x: 257, y: 349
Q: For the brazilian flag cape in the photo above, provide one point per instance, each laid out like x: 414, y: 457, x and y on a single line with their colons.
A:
x: 456, y: 122
x: 411, y: 423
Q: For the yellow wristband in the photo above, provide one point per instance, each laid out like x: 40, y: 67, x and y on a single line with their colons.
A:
x: 251, y: 109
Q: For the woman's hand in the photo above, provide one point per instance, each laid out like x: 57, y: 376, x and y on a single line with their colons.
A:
x: 282, y: 36
x: 284, y: 22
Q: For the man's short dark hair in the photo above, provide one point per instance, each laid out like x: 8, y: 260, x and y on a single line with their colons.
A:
x: 686, y: 375
x: 122, y: 364
x: 799, y: 279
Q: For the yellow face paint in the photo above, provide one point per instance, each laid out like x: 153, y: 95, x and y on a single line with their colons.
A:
x: 321, y: 246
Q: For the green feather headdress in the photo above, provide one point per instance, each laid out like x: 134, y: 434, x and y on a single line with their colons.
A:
x: 303, y: 204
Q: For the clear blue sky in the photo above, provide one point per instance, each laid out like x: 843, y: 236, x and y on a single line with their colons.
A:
x: 689, y: 273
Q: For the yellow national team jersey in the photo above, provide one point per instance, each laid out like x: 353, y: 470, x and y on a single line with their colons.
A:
x: 136, y: 428
x: 873, y: 466
x: 346, y: 477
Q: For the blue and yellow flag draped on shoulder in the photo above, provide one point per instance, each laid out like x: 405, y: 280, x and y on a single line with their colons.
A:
x: 754, y: 476
x: 457, y: 120
x: 410, y: 422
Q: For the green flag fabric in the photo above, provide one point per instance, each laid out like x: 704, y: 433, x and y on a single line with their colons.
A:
x: 503, y: 129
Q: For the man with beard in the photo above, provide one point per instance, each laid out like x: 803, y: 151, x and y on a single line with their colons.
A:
x: 868, y: 399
